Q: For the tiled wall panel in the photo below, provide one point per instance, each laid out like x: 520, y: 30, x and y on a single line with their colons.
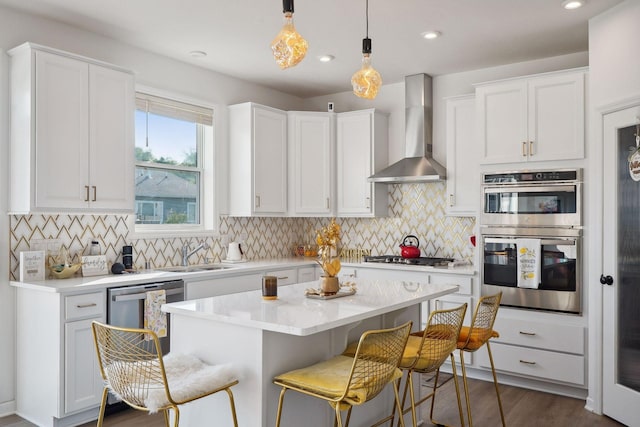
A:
x: 416, y: 209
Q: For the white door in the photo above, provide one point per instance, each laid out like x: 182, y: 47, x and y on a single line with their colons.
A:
x: 354, y: 134
x: 621, y: 270
x: 61, y: 110
x: 270, y: 160
x: 111, y: 149
x: 312, y: 160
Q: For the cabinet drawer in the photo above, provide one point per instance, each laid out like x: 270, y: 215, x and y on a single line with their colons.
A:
x: 464, y: 282
x: 535, y: 363
x: 543, y: 335
x: 86, y: 305
x: 285, y: 277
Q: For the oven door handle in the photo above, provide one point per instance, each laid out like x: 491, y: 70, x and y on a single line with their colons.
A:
x: 142, y: 295
x: 561, y: 242
x: 530, y: 189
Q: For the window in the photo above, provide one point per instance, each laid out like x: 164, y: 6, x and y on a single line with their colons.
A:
x: 171, y: 137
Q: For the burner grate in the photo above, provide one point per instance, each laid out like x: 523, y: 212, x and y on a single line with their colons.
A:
x: 395, y: 259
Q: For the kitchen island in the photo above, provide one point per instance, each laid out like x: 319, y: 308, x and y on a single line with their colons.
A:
x: 265, y: 338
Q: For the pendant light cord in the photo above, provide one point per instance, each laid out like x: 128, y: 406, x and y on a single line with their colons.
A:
x: 367, y: 16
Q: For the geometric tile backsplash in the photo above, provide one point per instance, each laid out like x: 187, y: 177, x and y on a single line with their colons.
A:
x: 413, y: 209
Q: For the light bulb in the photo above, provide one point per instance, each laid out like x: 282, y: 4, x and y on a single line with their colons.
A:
x: 289, y: 48
x: 366, y: 81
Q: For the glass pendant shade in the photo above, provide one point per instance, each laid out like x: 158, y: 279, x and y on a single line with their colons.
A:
x: 289, y: 48
x: 366, y: 81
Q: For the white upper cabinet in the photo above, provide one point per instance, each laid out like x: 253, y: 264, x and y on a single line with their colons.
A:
x: 258, y: 160
x: 463, y: 172
x: 537, y: 118
x: 362, y: 149
x: 311, y: 154
x: 72, y: 146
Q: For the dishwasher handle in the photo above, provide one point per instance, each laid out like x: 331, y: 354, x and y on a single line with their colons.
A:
x: 143, y: 295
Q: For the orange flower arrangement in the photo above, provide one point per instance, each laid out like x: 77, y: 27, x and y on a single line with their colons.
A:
x: 327, y: 239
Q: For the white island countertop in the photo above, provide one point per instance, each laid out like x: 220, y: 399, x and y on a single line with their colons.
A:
x: 296, y: 314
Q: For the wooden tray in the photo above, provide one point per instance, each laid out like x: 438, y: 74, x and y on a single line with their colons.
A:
x: 341, y: 293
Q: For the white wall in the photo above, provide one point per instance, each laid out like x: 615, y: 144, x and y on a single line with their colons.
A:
x: 151, y: 70
x: 7, y: 360
x: 614, y: 81
x: 390, y: 99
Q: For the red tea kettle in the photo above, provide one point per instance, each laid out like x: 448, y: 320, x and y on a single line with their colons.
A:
x: 410, y: 247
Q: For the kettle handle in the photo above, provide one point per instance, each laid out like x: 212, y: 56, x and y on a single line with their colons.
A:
x: 409, y: 236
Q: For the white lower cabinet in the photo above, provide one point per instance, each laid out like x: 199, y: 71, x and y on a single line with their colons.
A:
x: 241, y: 282
x: 205, y: 288
x: 82, y: 387
x: 58, y: 380
x: 550, y: 349
x: 542, y: 364
x: 308, y: 274
x: 285, y: 277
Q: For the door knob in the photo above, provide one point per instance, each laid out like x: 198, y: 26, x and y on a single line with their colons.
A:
x: 606, y: 280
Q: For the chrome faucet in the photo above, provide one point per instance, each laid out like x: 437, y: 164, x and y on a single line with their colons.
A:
x: 186, y: 254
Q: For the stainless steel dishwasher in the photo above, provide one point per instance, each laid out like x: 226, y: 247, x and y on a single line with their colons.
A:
x: 125, y: 305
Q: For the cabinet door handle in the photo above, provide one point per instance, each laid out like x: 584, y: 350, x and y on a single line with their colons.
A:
x: 257, y: 201
x: 86, y: 193
x: 526, y: 362
x: 367, y: 202
x: 283, y: 277
x: 328, y: 206
x: 95, y: 193
x: 530, y: 334
x: 93, y: 304
x: 452, y: 200
x: 531, y: 153
x: 524, y: 148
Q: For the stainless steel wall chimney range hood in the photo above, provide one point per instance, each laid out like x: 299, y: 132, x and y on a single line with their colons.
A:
x: 418, y: 164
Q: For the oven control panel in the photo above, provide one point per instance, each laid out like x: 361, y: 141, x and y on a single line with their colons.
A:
x: 523, y: 177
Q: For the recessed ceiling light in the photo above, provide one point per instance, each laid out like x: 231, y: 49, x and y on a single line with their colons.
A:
x: 197, y: 54
x: 573, y: 4
x: 430, y: 35
x: 326, y: 58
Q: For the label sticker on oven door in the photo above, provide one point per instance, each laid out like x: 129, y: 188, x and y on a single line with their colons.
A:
x: 634, y: 165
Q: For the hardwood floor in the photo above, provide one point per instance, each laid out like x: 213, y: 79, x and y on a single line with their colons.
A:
x: 522, y: 408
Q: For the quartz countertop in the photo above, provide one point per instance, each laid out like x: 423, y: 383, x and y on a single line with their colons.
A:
x: 466, y: 269
x: 84, y: 284
x: 296, y: 314
x: 80, y: 283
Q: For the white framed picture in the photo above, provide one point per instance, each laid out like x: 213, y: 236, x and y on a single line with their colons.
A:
x: 94, y: 265
x: 31, y: 266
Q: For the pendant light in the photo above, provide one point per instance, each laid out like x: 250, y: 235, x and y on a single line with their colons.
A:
x: 288, y: 47
x: 366, y: 81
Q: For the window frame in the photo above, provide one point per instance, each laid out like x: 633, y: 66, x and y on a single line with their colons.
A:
x: 208, y: 191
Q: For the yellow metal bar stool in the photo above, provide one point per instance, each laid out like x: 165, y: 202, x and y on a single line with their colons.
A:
x: 477, y: 335
x: 345, y: 381
x: 133, y: 368
x: 426, y: 351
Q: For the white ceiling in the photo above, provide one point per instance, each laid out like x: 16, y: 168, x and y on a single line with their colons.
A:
x: 236, y: 34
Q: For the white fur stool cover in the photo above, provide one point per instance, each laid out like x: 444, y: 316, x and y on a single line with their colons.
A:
x: 188, y: 377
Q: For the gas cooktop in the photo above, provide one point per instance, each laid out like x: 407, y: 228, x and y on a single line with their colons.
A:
x: 396, y: 259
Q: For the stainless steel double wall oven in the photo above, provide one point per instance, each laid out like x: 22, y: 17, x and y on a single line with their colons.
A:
x: 545, y: 205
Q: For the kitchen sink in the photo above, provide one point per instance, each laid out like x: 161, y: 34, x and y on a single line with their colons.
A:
x: 194, y: 268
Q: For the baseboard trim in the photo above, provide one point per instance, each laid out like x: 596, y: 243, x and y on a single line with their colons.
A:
x: 7, y: 408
